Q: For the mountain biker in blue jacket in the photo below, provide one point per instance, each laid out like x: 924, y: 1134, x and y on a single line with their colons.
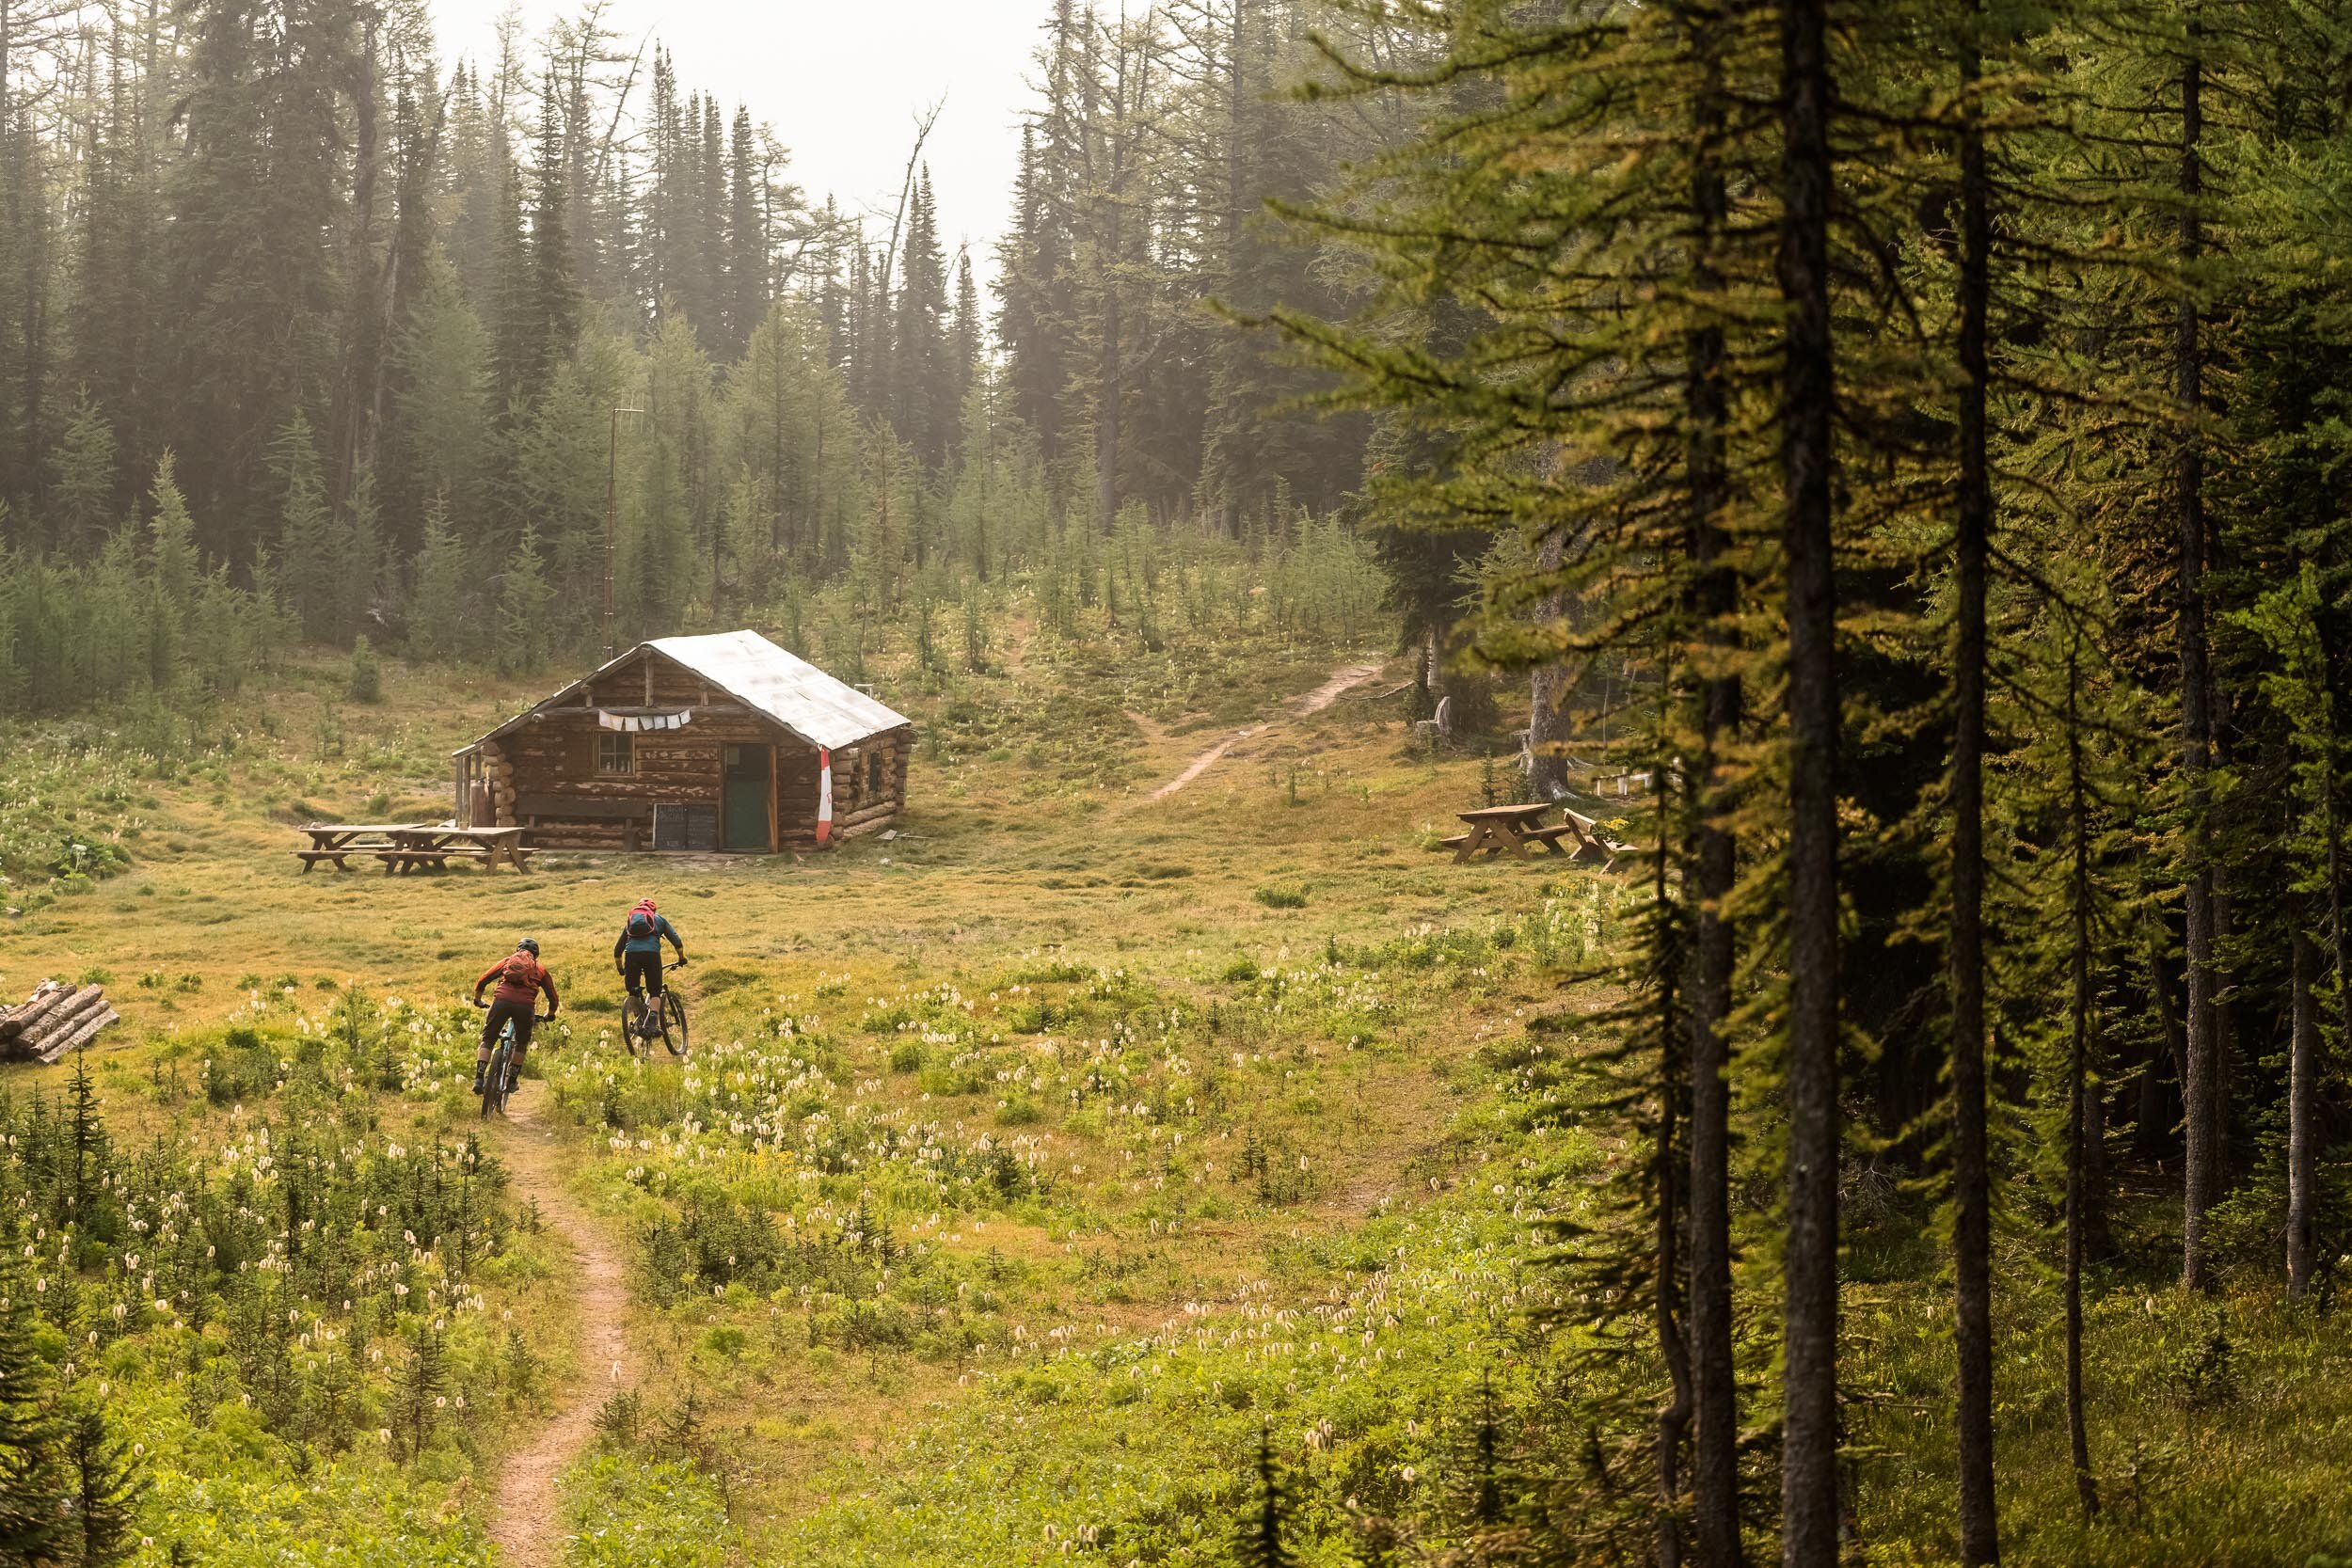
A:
x: 637, y: 951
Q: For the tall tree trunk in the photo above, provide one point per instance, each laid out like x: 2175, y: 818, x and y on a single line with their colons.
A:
x: 1972, y: 1259
x: 1238, y: 200
x: 2196, y: 1085
x: 1714, y: 853
x: 1108, y: 265
x: 1809, y: 1258
x: 2175, y: 1047
x: 2223, y: 1033
x: 1106, y: 404
x: 2300, y: 1166
x: 1674, y: 1419
x: 2077, y: 1074
x: 354, y: 440
x: 1547, y: 692
x: 2303, y: 1087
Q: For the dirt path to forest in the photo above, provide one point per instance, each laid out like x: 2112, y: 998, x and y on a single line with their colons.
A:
x: 527, y: 1516
x: 1343, y: 680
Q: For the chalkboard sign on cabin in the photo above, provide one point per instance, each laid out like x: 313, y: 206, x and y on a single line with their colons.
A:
x: 686, y: 828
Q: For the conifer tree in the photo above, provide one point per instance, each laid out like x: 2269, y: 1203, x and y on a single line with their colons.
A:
x: 525, y: 600
x: 922, y: 364
x: 1262, y: 1544
x: 175, y: 576
x: 32, y: 1461
x: 311, y: 550
x: 107, y: 1482
x: 747, y: 240
x: 965, y: 341
x: 444, y: 402
x: 86, y: 463
x: 442, y: 612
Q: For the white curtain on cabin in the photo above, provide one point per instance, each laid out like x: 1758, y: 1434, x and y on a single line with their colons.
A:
x: 638, y: 722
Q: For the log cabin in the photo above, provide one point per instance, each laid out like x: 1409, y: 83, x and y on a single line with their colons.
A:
x: 720, y: 742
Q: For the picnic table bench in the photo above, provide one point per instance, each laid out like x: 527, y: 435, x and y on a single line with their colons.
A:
x: 339, y: 841
x: 431, y: 849
x: 406, y: 846
x: 1512, y: 828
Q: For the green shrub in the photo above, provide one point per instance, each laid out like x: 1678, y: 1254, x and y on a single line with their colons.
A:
x: 1282, y: 895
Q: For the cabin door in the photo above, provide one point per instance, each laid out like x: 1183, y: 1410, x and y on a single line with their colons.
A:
x: 744, y: 797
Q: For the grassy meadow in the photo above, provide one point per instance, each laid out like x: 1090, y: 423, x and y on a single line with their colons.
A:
x: 1033, y: 1165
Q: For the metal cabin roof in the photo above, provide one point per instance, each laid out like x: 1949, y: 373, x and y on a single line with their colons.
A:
x: 755, y: 672
x: 788, y: 689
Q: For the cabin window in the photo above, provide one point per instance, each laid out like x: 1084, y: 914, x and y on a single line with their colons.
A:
x: 873, y: 772
x: 616, y: 755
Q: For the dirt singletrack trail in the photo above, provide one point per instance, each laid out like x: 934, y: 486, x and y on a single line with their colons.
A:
x: 1343, y: 680
x: 527, y: 1516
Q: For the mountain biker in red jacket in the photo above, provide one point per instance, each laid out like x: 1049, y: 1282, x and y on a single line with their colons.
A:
x: 521, y: 978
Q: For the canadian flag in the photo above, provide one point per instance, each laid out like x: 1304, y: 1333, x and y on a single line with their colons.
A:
x: 824, y: 797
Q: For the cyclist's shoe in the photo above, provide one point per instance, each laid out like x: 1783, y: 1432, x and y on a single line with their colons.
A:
x: 478, y: 1068
x: 513, y: 1078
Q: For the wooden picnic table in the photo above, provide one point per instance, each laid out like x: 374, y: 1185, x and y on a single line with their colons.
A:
x: 336, y: 841
x: 1502, y: 828
x: 420, y: 848
x: 1513, y: 828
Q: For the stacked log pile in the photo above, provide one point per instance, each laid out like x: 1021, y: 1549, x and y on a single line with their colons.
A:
x: 52, y: 1021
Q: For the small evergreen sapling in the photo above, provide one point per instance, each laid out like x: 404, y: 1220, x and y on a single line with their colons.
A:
x: 32, y: 1466
x: 367, y: 675
x: 107, y: 1483
x: 1261, y: 1544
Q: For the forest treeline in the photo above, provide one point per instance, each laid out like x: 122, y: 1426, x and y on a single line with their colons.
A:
x: 1933, y: 411
x: 397, y: 323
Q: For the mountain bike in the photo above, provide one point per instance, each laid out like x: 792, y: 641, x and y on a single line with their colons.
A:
x: 501, y: 1075
x: 641, y: 1023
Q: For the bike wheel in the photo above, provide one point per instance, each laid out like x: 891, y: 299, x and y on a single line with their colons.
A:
x: 674, y: 1024
x: 494, y: 1082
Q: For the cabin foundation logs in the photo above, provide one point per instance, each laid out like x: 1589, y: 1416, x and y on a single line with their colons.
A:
x: 498, y: 771
x: 858, y: 804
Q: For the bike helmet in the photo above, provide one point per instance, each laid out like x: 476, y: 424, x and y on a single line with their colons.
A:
x: 646, y: 905
x: 530, y: 945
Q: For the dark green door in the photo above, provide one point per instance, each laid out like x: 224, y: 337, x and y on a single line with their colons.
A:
x: 745, y: 813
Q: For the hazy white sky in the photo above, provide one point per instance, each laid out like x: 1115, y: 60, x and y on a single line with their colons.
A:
x: 841, y: 85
